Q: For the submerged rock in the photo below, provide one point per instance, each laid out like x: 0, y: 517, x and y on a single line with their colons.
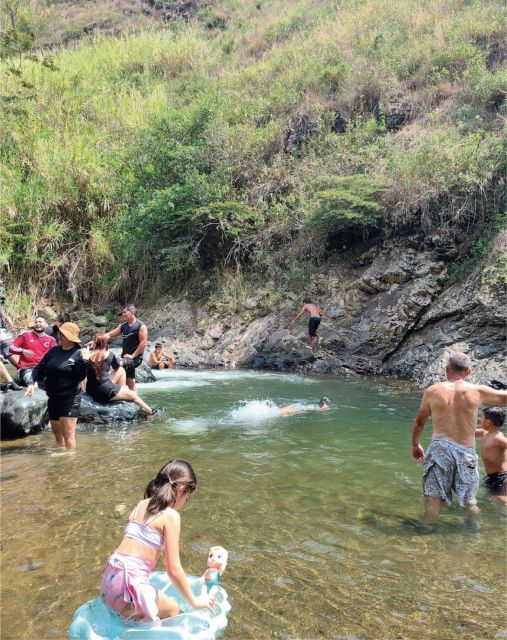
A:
x: 21, y: 415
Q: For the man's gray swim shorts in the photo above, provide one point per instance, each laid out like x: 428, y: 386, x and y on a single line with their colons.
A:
x: 451, y: 466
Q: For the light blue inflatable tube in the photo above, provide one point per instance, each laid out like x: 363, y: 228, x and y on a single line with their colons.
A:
x: 94, y: 621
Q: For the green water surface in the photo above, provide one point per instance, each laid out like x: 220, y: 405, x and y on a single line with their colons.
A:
x: 317, y: 512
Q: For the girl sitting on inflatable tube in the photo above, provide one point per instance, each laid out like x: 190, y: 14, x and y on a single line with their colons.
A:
x: 154, y: 525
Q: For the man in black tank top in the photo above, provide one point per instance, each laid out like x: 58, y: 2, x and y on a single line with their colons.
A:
x: 135, y: 338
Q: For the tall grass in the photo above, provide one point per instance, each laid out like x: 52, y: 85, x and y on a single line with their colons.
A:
x: 155, y: 126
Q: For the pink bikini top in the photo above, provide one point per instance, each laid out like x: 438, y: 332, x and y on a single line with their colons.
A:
x: 141, y: 532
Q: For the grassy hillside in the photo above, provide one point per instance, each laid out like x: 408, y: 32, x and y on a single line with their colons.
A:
x: 262, y: 137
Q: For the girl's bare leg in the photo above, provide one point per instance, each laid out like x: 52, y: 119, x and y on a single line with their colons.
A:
x: 127, y: 394
x: 4, y: 374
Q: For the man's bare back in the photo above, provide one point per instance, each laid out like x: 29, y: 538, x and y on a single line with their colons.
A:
x: 312, y: 310
x: 453, y: 406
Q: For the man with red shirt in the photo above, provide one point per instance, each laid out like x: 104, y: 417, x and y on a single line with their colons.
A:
x: 31, y: 346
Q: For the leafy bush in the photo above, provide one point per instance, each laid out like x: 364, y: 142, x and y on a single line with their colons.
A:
x: 348, y: 204
x: 221, y: 229
x: 332, y: 77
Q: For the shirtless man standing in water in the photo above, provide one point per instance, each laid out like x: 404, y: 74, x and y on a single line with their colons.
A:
x: 450, y: 461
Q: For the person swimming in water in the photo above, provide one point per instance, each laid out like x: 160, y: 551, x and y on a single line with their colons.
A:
x: 291, y: 409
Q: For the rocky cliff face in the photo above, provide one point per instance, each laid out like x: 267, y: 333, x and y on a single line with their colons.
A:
x: 387, y: 312
x: 468, y: 317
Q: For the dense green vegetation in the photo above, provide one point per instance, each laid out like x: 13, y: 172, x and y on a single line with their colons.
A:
x: 259, y: 137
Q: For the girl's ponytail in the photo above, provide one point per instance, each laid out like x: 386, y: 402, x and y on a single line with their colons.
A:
x: 175, y: 477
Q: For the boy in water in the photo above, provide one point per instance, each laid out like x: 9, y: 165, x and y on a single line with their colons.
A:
x: 313, y: 324
x: 494, y: 451
x: 160, y: 360
x: 290, y: 409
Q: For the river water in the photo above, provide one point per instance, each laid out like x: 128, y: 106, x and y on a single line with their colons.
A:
x: 318, y: 512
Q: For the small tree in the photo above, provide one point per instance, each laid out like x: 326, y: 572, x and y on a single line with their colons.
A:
x: 349, y: 203
x: 16, y: 48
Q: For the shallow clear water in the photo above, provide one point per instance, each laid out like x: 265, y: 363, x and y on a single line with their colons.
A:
x: 315, y: 509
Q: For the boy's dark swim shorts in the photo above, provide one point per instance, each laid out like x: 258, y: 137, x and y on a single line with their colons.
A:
x: 313, y: 325
x: 495, y: 482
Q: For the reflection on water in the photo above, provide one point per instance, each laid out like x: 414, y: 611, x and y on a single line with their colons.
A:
x: 318, y: 512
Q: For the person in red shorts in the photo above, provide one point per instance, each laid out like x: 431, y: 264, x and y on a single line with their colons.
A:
x: 31, y: 346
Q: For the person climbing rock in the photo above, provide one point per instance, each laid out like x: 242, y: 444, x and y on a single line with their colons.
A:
x: 313, y: 323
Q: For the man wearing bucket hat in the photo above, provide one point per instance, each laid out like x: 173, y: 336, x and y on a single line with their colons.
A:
x: 62, y: 369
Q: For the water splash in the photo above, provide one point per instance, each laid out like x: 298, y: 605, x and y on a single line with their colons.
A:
x: 255, y: 411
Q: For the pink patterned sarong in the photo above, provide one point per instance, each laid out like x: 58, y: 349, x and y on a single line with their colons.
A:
x: 126, y: 581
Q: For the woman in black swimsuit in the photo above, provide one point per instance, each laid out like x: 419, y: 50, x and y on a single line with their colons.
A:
x: 99, y: 384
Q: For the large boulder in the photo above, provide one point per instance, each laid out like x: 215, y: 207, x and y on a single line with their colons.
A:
x: 110, y: 413
x: 21, y: 415
x: 144, y: 373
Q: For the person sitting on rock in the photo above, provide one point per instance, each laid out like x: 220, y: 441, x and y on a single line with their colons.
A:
x: 135, y: 339
x: 291, y: 409
x: 29, y: 349
x: 7, y: 382
x: 53, y: 330
x: 160, y: 360
x: 99, y: 385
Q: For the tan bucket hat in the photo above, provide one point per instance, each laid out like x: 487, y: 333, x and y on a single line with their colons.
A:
x: 70, y: 331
